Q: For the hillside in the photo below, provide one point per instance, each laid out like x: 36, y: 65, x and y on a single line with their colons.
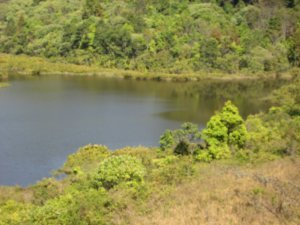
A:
x: 148, y: 35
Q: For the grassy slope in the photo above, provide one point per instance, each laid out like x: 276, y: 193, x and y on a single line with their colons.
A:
x: 218, y: 193
x: 226, y: 194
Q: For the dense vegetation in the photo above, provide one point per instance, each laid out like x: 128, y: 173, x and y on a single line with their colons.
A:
x: 211, y: 172
x: 148, y: 35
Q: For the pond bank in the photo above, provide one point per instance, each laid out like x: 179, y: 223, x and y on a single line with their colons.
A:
x: 12, y: 65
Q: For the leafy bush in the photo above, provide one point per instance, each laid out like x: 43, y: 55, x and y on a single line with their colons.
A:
x: 120, y: 169
x: 88, y: 207
x: 46, y: 189
x: 166, y: 140
x: 179, y: 140
x: 203, y: 156
x: 14, y: 213
x: 225, y: 129
x: 215, y: 131
x: 85, y: 158
x: 182, y: 148
x: 288, y: 97
x: 171, y: 169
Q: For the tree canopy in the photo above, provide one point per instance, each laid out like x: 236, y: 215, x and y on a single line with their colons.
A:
x: 169, y: 36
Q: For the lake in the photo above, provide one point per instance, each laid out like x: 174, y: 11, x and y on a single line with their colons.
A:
x: 46, y: 118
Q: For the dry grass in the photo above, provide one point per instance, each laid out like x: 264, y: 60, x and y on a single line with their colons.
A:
x: 221, y: 195
x: 18, y: 194
x: 218, y: 194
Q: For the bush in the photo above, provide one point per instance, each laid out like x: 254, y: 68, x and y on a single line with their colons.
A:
x: 171, y: 170
x: 14, y: 213
x: 203, y: 156
x: 180, y: 139
x: 45, y: 190
x: 220, y: 151
x: 166, y: 140
x: 224, y: 129
x: 215, y: 131
x: 182, y: 148
x: 88, y: 207
x: 142, y: 153
x: 85, y: 158
x: 120, y: 169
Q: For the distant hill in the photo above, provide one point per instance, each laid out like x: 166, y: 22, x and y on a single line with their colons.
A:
x: 172, y: 36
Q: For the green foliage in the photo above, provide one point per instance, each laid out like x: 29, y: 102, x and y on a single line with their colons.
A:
x: 80, y: 208
x: 288, y: 97
x: 166, y: 140
x: 216, y: 131
x: 230, y: 117
x: 171, y: 169
x: 167, y: 36
x: 203, y: 156
x: 85, y: 158
x: 120, y: 169
x: 225, y: 129
x: 142, y: 153
x: 14, y: 213
x: 46, y: 189
x: 92, y: 8
x: 182, y: 148
x: 262, y: 138
x: 180, y: 140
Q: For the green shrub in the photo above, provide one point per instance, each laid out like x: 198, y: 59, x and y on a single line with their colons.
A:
x: 166, y: 140
x: 45, y: 190
x: 288, y: 98
x: 203, y: 156
x: 220, y: 151
x: 179, y: 140
x: 120, y: 169
x: 215, y: 131
x: 73, y: 208
x: 225, y: 129
x: 143, y: 153
x: 14, y: 213
x: 182, y: 148
x: 85, y: 158
x: 171, y: 170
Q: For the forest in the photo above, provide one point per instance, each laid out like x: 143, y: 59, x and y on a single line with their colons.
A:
x: 172, y: 36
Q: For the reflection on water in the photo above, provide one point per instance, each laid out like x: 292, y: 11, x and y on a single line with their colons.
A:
x: 45, y: 119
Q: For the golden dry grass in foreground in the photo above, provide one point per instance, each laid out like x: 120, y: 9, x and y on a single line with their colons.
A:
x: 223, y: 194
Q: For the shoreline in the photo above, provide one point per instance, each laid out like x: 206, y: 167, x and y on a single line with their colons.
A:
x: 22, y: 65
x: 4, y: 84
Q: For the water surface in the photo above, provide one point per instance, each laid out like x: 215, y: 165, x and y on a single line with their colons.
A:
x: 45, y: 119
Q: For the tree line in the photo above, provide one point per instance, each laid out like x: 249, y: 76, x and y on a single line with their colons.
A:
x: 149, y: 35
